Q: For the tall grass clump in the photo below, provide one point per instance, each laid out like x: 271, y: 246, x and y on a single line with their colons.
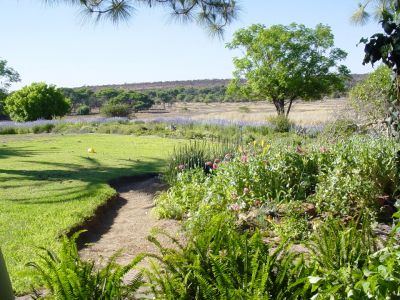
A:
x: 197, y: 154
x: 280, y: 123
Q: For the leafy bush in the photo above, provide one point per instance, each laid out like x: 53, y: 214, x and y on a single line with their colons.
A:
x: 369, y: 98
x: 280, y: 123
x: 111, y: 109
x: 339, y: 128
x: 83, y: 110
x: 66, y: 276
x: 43, y: 128
x: 37, y: 101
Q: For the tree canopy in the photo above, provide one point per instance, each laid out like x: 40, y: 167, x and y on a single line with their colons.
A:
x: 214, y: 14
x: 284, y: 63
x: 7, y: 76
x: 36, y: 101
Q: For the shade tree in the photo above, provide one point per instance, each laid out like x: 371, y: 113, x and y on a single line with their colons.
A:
x: 283, y: 63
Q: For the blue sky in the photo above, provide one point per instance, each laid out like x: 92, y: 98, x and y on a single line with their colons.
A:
x: 52, y: 44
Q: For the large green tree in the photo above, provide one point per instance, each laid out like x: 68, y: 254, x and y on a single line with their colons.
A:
x: 284, y: 63
x: 37, y: 101
x: 213, y: 14
x: 7, y: 76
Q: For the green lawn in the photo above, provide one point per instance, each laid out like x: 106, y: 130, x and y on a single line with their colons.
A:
x: 50, y: 183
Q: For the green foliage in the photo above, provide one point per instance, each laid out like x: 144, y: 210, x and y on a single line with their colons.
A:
x: 282, y: 186
x: 37, y: 101
x: 7, y: 77
x: 83, y: 110
x: 111, y: 109
x: 384, y: 47
x: 338, y: 253
x: 221, y: 263
x: 281, y: 123
x: 380, y: 276
x: 369, y: 98
x: 196, y: 154
x: 340, y: 128
x: 286, y: 63
x: 80, y: 96
x: 46, y: 128
x: 66, y: 276
x: 360, y: 170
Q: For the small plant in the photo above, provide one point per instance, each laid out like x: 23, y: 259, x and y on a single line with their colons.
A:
x: 280, y: 123
x: 196, y: 154
x: 244, y: 109
x: 83, y: 110
x: 66, y: 276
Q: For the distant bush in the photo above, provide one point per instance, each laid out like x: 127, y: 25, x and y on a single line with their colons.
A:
x: 280, y: 123
x: 43, y: 128
x: 244, y: 109
x: 83, y: 110
x: 37, y: 101
x: 8, y: 130
x: 111, y: 109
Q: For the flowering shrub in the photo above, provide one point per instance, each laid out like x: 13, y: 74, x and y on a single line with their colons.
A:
x: 286, y: 187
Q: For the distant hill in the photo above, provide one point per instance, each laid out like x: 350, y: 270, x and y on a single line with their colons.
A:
x: 201, y: 83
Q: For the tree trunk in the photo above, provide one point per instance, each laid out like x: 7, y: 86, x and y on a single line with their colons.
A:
x: 280, y: 106
x: 289, y: 107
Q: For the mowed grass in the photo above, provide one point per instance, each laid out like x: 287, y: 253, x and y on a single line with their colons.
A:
x: 48, y: 184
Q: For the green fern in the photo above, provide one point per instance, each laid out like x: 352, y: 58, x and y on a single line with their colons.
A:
x: 66, y: 276
x: 221, y: 263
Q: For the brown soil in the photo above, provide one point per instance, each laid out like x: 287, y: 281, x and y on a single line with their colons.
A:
x: 127, y: 222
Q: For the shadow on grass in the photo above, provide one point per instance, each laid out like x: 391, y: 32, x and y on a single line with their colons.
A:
x: 91, y: 177
x: 7, y: 151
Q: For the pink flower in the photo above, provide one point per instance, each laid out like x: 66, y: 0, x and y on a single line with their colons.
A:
x: 300, y: 150
x: 234, y: 207
x: 209, y: 164
x: 181, y: 167
x: 214, y: 166
x: 323, y: 149
x: 246, y: 190
x: 244, y: 158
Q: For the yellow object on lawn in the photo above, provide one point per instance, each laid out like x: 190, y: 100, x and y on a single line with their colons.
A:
x: 91, y: 150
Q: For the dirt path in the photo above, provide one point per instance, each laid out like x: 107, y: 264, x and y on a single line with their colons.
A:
x: 126, y: 224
